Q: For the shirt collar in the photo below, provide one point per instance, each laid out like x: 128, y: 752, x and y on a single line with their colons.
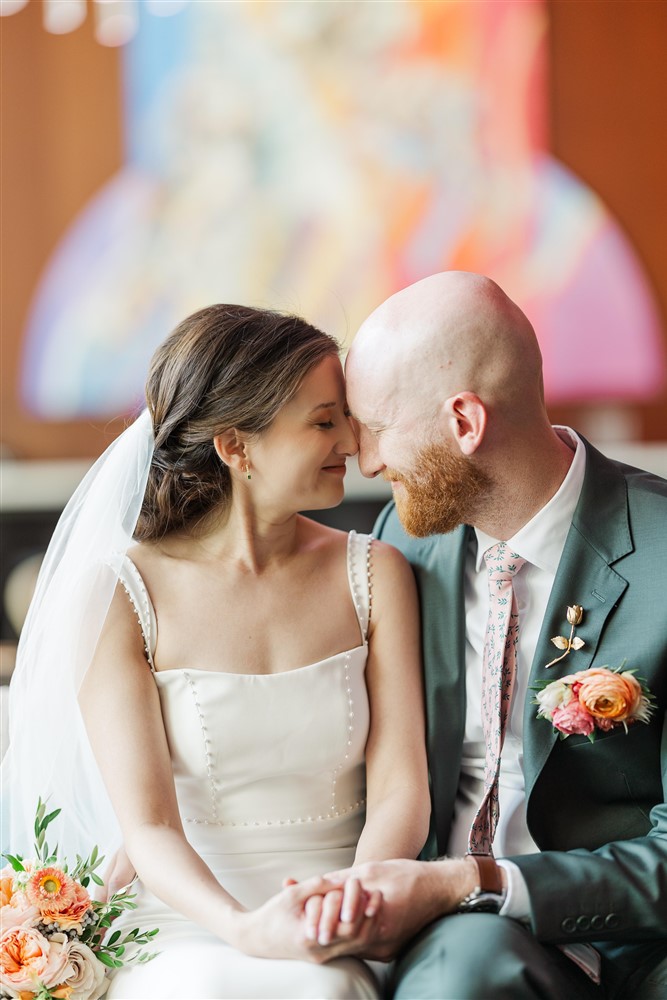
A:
x: 541, y: 541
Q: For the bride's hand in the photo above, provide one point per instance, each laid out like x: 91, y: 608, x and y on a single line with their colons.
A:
x: 339, y: 914
x: 277, y: 929
x: 280, y: 928
x: 118, y: 874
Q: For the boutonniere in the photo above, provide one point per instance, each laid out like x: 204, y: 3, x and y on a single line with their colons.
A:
x: 575, y: 614
x: 599, y: 698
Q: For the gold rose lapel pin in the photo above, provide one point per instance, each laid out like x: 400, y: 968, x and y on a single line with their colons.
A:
x: 575, y: 614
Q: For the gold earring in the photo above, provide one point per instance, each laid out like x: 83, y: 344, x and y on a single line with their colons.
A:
x: 247, y: 470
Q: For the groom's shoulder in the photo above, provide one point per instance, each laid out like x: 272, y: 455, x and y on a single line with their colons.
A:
x: 418, y: 551
x: 646, y: 492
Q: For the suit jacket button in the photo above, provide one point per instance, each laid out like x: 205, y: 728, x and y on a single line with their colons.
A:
x: 569, y: 925
x: 611, y: 921
x: 583, y: 923
x: 597, y: 922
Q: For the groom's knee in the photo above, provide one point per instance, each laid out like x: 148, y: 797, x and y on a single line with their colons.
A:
x: 474, y: 956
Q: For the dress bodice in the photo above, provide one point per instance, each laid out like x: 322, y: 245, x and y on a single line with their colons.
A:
x: 268, y: 762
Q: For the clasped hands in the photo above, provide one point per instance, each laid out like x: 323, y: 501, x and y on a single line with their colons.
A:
x: 340, y: 914
x: 373, y: 909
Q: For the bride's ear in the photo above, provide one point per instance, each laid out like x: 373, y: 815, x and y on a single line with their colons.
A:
x: 230, y: 448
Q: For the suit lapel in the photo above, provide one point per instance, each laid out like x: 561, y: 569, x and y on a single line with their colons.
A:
x: 443, y: 623
x: 599, y: 535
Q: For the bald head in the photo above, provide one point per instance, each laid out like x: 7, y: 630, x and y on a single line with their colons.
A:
x: 449, y: 333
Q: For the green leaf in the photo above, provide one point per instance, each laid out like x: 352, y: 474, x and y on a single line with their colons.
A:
x: 15, y: 862
x: 96, y: 879
x: 106, y: 959
x: 49, y: 819
x: 114, y: 937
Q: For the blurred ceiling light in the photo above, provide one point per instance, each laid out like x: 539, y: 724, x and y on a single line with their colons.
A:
x: 116, y: 21
x: 11, y: 6
x: 61, y: 16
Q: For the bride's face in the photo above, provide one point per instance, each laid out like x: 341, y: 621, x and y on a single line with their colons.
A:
x: 298, y: 463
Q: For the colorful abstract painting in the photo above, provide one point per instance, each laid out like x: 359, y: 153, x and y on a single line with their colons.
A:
x: 316, y: 157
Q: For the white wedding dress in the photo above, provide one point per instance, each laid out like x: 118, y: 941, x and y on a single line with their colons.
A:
x: 270, y: 779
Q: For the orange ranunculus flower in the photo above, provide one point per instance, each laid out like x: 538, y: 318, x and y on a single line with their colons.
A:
x: 28, y: 959
x: 609, y: 695
x: 70, y: 916
x: 6, y: 885
x: 51, y: 889
x: 15, y: 908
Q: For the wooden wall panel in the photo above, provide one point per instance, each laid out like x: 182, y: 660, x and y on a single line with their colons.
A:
x: 608, y: 123
x: 61, y: 139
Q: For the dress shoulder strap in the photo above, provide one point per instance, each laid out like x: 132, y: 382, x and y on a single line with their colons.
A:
x: 359, y: 574
x: 135, y: 588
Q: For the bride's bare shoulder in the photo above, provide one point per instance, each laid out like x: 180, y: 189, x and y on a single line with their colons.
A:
x: 315, y: 535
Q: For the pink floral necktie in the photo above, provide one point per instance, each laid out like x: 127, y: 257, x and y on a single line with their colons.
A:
x: 498, y: 673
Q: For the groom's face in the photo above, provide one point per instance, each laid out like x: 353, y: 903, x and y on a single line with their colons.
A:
x: 435, y: 487
x: 443, y: 492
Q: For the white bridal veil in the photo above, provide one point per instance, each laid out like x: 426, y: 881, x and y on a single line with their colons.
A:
x: 49, y: 755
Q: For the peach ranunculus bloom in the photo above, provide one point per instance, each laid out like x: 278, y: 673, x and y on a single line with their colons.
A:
x: 15, y: 909
x: 28, y: 960
x: 6, y: 885
x: 71, y: 916
x: 609, y: 695
x: 88, y: 979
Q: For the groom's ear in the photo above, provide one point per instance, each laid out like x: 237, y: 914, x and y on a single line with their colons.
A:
x: 231, y: 448
x: 465, y: 415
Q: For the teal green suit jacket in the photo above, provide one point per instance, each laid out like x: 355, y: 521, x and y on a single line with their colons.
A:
x: 596, y: 810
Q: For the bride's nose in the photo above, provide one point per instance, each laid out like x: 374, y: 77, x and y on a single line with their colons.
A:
x: 349, y: 442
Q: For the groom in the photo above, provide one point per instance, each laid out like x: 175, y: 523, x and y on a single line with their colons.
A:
x: 445, y: 380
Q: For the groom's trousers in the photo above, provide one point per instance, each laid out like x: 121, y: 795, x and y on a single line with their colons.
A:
x: 482, y: 956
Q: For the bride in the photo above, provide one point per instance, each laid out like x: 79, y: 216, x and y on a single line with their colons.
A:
x: 249, y: 680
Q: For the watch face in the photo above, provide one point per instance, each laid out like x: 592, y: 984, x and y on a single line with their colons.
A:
x: 483, y: 902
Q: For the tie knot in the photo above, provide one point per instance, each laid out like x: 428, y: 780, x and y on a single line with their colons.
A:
x: 501, y: 562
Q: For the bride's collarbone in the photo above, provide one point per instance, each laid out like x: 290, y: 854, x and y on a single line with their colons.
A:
x: 259, y: 638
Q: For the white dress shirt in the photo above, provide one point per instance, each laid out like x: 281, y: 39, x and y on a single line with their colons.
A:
x: 540, y: 542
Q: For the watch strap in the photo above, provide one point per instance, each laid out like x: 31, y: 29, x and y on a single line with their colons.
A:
x: 489, y: 873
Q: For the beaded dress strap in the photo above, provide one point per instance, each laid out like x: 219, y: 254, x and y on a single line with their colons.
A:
x: 359, y: 574
x: 135, y: 588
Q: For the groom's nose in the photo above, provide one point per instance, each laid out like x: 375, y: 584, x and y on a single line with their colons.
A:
x: 369, y: 456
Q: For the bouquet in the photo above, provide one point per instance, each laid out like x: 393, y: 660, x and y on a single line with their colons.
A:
x: 55, y: 940
x: 599, y: 698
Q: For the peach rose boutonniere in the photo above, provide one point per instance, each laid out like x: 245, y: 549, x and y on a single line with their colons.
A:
x: 599, y: 698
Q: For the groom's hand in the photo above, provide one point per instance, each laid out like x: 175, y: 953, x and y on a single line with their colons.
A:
x: 414, y: 893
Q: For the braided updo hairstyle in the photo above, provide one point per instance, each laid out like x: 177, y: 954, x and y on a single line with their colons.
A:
x: 225, y: 366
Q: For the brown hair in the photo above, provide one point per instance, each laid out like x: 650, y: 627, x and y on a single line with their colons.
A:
x: 225, y: 366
